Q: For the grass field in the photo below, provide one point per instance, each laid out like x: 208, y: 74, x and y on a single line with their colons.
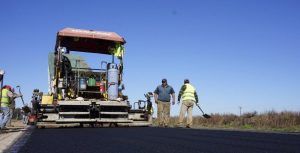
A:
x: 268, y: 121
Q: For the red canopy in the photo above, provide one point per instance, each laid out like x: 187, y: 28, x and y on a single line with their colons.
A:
x: 88, y: 40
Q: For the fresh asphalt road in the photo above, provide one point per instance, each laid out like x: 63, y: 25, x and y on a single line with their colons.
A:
x: 156, y: 140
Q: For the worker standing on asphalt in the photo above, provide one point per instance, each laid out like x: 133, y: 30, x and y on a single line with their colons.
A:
x: 162, y: 99
x: 189, y: 97
x: 6, y: 98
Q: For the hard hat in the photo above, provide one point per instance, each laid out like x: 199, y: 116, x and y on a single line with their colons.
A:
x: 7, y: 87
x: 186, y: 81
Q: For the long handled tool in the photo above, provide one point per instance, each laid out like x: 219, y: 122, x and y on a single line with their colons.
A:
x: 204, y: 115
x: 25, y: 108
x: 21, y: 95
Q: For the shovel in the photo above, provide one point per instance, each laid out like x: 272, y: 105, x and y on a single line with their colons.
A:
x: 25, y: 108
x: 21, y: 94
x: 204, y: 115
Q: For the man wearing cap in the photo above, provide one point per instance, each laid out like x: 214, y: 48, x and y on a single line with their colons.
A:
x: 162, y: 99
x: 189, y: 97
x: 6, y: 98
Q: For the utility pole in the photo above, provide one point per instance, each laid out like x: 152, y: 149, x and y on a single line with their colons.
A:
x: 1, y: 82
x: 240, y: 107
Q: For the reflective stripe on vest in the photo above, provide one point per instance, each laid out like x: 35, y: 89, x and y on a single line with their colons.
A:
x: 189, y: 93
x: 4, y: 98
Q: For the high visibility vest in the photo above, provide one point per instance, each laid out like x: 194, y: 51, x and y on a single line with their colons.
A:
x: 5, y: 100
x: 118, y: 51
x: 189, y: 93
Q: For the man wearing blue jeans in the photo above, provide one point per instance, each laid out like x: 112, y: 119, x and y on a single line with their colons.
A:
x: 4, y: 116
x: 6, y: 97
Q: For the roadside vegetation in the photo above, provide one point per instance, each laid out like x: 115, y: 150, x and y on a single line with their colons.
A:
x: 17, y: 115
x: 285, y: 121
x: 268, y: 121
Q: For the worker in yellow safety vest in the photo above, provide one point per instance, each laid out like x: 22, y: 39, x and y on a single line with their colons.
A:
x: 189, y: 97
x: 6, y: 98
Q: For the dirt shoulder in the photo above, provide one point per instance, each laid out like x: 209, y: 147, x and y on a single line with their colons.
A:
x: 9, y: 136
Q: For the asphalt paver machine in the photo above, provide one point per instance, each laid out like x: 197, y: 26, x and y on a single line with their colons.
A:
x: 85, y: 95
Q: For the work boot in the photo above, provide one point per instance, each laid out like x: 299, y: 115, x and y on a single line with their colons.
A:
x: 187, y: 126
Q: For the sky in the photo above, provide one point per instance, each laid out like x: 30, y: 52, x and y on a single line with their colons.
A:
x: 237, y: 53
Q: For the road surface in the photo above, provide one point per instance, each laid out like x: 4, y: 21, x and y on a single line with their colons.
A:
x: 155, y: 140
